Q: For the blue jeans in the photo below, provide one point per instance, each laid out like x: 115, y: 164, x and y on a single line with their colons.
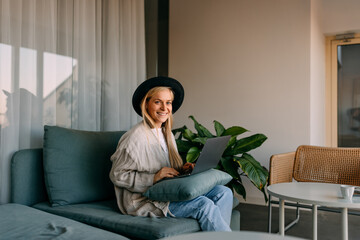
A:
x: 212, y: 210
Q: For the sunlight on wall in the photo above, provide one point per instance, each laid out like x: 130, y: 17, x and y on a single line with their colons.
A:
x: 58, y: 99
x: 5, y: 77
x: 56, y: 81
x: 28, y: 70
x: 5, y: 66
x: 57, y: 69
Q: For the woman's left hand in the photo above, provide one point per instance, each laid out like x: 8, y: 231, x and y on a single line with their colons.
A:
x: 188, y: 167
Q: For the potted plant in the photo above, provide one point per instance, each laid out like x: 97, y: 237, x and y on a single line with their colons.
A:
x: 235, y: 160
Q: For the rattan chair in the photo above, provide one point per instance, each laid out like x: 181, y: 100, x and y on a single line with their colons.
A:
x: 314, y: 164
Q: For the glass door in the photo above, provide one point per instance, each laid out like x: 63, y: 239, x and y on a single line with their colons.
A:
x: 346, y: 92
x: 349, y: 95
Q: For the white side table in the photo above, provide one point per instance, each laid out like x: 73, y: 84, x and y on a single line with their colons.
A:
x: 316, y: 194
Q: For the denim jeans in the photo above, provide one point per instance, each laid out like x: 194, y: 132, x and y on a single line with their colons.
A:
x: 212, y: 210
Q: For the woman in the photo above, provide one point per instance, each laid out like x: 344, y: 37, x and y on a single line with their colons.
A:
x: 147, y: 153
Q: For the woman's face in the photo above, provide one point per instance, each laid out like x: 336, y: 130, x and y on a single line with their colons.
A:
x: 159, y: 107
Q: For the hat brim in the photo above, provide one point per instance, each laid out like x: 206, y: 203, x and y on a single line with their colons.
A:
x: 145, y: 86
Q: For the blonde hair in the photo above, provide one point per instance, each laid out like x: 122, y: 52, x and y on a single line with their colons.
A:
x: 174, y: 157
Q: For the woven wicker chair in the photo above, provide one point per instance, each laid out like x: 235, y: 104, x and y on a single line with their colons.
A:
x: 314, y: 164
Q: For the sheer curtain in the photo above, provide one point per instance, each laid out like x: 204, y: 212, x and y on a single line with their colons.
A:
x: 70, y: 63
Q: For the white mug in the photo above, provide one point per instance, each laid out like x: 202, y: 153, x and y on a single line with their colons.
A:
x: 347, y: 191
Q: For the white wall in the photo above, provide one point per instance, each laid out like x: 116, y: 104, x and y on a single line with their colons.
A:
x: 317, y: 75
x: 340, y: 16
x: 247, y: 63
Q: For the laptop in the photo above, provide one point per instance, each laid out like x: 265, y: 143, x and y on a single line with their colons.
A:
x: 209, y: 156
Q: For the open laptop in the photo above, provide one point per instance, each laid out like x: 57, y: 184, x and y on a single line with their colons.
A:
x: 209, y: 156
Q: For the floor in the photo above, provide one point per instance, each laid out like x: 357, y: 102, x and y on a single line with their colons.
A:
x: 254, y: 218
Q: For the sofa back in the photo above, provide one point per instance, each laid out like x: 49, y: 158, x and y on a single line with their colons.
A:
x: 73, y: 167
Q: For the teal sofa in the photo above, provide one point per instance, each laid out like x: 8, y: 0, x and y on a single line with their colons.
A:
x: 23, y: 222
x: 69, y: 177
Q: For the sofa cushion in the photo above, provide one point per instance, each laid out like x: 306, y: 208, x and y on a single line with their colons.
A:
x: 106, y: 215
x: 23, y: 222
x: 187, y: 188
x: 77, y: 164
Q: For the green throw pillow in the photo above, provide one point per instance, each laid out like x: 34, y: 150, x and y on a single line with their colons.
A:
x: 187, y: 188
x: 77, y: 165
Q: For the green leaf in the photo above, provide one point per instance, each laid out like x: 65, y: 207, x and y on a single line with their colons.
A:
x: 232, y: 141
x: 188, y: 134
x: 238, y: 187
x: 228, y: 150
x: 202, y: 131
x: 201, y: 140
x: 183, y: 146
x: 219, y: 128
x: 234, y: 131
x: 249, y: 143
x: 180, y: 131
x: 231, y: 167
x: 253, y: 170
x: 193, y: 154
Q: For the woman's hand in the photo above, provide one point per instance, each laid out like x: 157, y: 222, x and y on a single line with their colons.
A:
x: 188, y: 167
x: 165, y: 172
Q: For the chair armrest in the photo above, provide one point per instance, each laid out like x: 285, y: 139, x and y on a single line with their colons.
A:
x: 281, y: 168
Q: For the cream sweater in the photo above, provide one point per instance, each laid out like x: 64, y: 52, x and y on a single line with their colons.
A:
x: 137, y: 159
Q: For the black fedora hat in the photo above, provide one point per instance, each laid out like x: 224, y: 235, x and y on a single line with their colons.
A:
x: 145, y: 86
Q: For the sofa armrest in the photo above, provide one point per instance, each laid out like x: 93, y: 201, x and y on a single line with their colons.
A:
x: 281, y: 168
x: 27, y: 177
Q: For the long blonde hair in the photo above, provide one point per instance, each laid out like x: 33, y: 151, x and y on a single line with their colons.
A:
x: 174, y: 157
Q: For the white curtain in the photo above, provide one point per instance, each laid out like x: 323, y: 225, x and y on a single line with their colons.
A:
x: 70, y: 63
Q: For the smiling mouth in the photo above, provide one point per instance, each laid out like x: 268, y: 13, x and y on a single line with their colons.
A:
x: 162, y: 114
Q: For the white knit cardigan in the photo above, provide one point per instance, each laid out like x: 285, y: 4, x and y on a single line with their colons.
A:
x: 137, y: 159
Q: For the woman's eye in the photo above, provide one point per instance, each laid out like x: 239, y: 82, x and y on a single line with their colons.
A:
x: 168, y: 103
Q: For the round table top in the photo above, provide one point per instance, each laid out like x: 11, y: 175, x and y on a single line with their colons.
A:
x: 324, y: 194
x: 231, y: 236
